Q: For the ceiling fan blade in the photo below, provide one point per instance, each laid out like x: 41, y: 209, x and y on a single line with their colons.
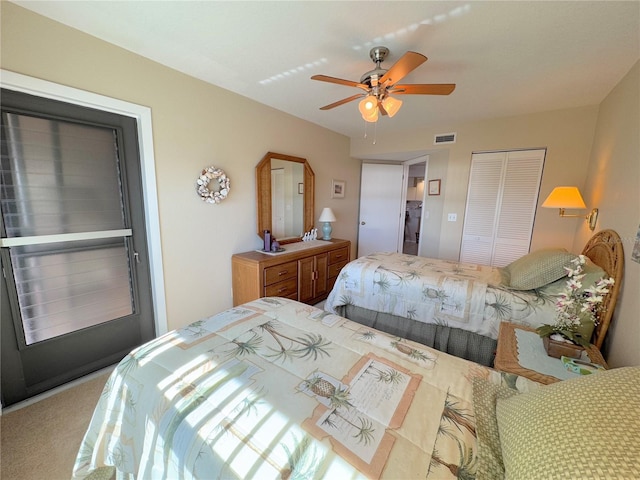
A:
x: 405, y: 65
x: 340, y: 81
x: 423, y: 89
x: 342, y: 102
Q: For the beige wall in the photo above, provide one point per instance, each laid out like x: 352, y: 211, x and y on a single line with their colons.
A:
x: 566, y: 134
x: 194, y: 125
x: 613, y: 185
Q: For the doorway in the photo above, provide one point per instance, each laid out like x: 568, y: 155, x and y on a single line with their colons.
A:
x: 76, y: 294
x: 415, y: 180
x: 391, y: 206
x: 381, y: 196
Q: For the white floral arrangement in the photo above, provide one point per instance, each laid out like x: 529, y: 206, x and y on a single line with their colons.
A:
x: 575, y: 306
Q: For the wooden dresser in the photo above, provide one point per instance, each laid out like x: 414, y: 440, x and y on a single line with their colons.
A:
x: 305, y: 273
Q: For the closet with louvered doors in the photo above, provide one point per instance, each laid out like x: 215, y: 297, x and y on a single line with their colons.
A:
x: 501, y: 206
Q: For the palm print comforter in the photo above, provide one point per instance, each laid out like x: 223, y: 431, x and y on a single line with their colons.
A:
x: 278, y: 389
x: 442, y: 292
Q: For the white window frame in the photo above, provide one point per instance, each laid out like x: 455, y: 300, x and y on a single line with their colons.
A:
x: 43, y: 88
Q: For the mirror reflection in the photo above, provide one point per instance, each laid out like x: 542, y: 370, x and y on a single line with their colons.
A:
x: 285, y: 188
x: 287, y: 198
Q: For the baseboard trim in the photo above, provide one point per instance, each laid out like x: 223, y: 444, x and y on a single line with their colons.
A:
x: 56, y: 390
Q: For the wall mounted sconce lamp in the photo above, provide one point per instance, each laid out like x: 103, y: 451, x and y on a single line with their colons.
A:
x: 327, y: 217
x: 569, y: 197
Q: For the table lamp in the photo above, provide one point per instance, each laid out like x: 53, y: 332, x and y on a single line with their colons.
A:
x: 327, y: 217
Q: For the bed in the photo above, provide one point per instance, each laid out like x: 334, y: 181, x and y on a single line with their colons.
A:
x: 279, y: 389
x: 457, y: 307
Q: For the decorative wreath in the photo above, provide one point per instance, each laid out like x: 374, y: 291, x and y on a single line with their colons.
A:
x: 202, y: 185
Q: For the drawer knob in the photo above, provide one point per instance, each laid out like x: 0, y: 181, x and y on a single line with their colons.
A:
x: 283, y: 272
x: 282, y: 289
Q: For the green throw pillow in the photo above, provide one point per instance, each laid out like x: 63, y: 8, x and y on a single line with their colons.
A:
x: 587, y: 428
x: 537, y: 269
x: 592, y: 273
x: 485, y: 394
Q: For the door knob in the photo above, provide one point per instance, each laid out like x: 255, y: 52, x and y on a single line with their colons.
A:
x: 363, y: 223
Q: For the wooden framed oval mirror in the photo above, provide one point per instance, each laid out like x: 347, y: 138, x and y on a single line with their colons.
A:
x: 285, y: 190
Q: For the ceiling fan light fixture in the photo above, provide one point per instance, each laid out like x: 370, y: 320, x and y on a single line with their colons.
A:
x: 371, y: 116
x: 379, y: 83
x: 391, y: 105
x: 368, y: 105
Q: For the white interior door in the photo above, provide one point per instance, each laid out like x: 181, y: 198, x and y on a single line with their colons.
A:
x: 277, y: 203
x: 381, y: 211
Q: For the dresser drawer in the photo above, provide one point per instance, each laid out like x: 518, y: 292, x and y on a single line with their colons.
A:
x: 286, y: 288
x: 279, y: 273
x: 339, y: 255
x: 335, y: 268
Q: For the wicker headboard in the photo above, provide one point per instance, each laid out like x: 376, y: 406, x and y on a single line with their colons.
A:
x: 605, y: 250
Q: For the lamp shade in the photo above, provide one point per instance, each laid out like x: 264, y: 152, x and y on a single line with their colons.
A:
x: 327, y: 215
x: 372, y: 117
x: 391, y: 105
x: 564, y: 197
x: 368, y: 107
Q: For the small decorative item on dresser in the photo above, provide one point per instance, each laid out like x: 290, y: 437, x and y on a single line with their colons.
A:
x: 267, y: 240
x: 576, y: 317
x: 327, y: 217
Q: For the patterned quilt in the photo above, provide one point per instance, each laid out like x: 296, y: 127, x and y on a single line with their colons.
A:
x: 278, y: 389
x: 442, y: 292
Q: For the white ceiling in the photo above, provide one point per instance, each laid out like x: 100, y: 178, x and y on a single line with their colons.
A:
x: 507, y: 58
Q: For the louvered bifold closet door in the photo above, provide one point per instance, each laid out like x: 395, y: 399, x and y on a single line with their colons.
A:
x: 63, y: 216
x: 483, y: 197
x: 501, y: 205
x: 517, y: 207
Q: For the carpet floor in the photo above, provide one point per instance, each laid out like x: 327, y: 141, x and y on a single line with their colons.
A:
x: 41, y: 440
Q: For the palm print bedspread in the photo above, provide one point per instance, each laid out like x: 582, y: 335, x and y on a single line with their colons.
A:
x: 442, y: 292
x: 278, y: 389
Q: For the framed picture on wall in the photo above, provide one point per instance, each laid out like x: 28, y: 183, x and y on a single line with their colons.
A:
x: 434, y: 187
x: 337, y: 189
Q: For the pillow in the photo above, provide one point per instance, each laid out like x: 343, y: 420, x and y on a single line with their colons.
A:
x: 537, y: 269
x: 587, y: 427
x: 485, y: 394
x: 592, y: 273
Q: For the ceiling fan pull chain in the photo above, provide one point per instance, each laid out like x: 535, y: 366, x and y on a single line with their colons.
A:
x: 375, y: 130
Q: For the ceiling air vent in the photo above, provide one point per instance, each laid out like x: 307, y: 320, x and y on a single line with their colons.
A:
x: 444, y: 138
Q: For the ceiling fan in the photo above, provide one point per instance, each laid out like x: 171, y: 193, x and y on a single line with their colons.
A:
x: 379, y: 84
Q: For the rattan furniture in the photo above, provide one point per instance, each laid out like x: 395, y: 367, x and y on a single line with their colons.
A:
x: 507, y: 355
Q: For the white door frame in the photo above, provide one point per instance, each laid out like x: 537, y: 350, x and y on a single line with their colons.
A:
x: 43, y: 88
x: 407, y: 164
